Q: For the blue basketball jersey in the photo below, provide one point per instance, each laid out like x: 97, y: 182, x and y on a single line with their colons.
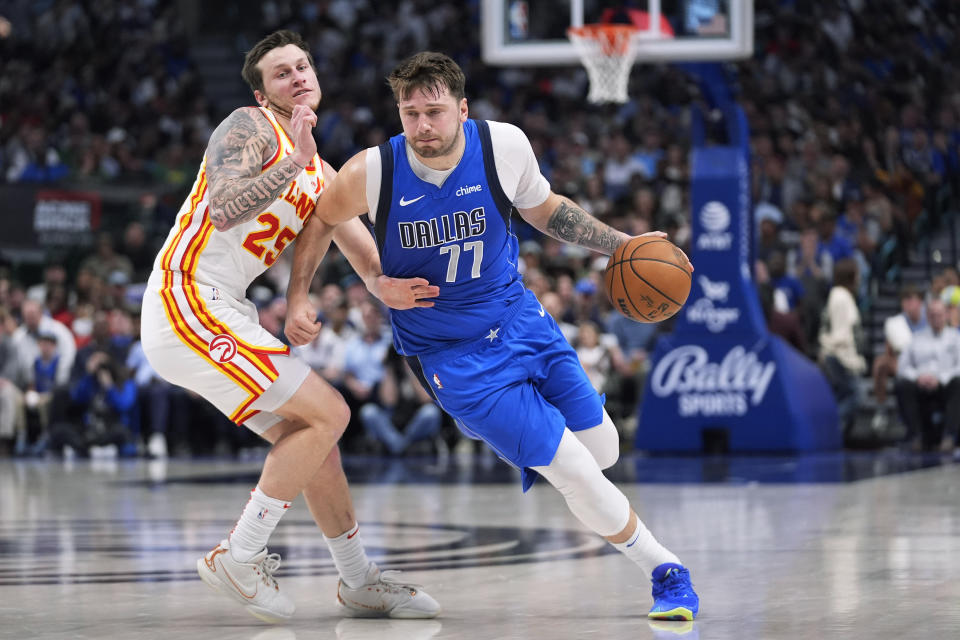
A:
x: 457, y: 236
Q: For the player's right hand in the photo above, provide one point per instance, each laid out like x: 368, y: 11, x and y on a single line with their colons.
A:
x: 302, y: 122
x: 301, y: 325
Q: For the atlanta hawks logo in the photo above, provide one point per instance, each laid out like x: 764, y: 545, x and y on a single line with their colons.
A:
x: 222, y: 348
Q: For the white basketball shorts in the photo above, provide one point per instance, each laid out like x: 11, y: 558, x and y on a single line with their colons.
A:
x: 198, y: 337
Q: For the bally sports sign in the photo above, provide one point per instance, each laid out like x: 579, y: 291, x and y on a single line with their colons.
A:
x: 729, y: 387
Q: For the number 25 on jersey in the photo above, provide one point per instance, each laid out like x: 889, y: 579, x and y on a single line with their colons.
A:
x: 258, y: 242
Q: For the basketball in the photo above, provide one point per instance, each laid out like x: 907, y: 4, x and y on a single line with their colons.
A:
x: 647, y: 279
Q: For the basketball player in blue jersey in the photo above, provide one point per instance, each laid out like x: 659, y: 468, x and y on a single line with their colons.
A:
x: 440, y: 197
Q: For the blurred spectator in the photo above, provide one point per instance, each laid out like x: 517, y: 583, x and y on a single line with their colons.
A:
x: 357, y: 298
x: 635, y: 341
x: 928, y: 373
x: 43, y: 382
x: 841, y: 341
x: 364, y: 363
x: 158, y: 401
x: 898, y: 330
x: 110, y: 424
x: 31, y: 158
x: 782, y: 323
x: 53, y: 275
x: 103, y: 338
x: 13, y: 380
x: 106, y: 260
x: 788, y: 291
x: 26, y: 336
x: 832, y: 246
x: 403, y: 413
x: 619, y: 167
x: 950, y: 295
x: 594, y: 354
x: 807, y: 269
x: 137, y: 249
x: 769, y: 218
x: 58, y: 304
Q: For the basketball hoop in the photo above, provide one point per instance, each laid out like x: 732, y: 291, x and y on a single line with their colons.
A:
x: 608, y: 52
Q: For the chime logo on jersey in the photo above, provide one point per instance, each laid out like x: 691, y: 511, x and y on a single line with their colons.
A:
x: 460, y: 225
x: 222, y: 348
x: 436, y: 381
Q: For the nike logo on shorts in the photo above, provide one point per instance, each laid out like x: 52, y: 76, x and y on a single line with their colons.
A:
x: 404, y: 203
x: 541, y: 311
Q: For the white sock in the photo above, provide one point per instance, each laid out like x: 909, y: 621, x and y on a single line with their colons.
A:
x: 644, y: 550
x: 256, y: 523
x: 350, y: 556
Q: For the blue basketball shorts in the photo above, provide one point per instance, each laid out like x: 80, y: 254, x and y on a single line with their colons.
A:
x: 516, y: 389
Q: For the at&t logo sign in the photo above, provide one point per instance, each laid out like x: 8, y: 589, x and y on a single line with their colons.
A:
x: 222, y: 348
x: 715, y: 220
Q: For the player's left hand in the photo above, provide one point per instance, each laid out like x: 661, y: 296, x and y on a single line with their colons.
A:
x: 403, y: 293
x: 662, y: 234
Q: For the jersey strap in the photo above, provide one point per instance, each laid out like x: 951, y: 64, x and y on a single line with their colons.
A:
x: 490, y: 168
x: 386, y: 195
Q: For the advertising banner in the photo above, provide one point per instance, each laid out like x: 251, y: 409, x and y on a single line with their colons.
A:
x: 721, y: 375
x: 42, y: 218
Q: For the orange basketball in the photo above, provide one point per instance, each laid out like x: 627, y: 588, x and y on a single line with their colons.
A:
x: 647, y: 279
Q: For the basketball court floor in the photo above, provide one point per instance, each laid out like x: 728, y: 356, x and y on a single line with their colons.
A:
x: 853, y: 546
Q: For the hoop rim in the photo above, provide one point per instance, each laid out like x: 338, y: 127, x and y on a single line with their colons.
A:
x: 614, y: 38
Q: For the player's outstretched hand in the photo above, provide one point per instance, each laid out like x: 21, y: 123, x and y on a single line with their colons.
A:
x: 662, y: 234
x: 404, y: 293
x: 301, y: 325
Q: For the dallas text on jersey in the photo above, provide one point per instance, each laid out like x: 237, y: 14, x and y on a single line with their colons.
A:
x: 449, y: 227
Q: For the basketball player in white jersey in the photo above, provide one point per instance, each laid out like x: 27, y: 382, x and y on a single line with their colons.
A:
x: 256, y: 190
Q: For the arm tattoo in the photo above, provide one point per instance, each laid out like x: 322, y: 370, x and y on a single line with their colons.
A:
x: 574, y: 225
x: 238, y: 191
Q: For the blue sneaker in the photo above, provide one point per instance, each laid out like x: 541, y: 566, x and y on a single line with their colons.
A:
x: 673, y: 595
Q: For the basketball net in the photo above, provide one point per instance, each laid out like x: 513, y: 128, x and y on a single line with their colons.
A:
x: 607, y: 52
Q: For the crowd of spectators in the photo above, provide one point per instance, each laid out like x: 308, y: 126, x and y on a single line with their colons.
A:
x: 854, y: 110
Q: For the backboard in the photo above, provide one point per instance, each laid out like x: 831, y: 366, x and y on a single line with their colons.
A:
x: 533, y: 32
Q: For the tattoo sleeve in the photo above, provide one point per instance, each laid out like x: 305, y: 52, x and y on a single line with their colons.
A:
x: 238, y: 191
x: 570, y: 223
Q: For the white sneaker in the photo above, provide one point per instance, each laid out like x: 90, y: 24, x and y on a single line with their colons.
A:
x: 157, y: 446
x: 385, y: 595
x: 249, y: 583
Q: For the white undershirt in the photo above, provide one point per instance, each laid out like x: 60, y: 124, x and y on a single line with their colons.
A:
x: 517, y: 169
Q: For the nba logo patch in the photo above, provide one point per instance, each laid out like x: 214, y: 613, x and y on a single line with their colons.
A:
x: 214, y: 293
x: 436, y: 381
x: 222, y: 348
x: 262, y: 513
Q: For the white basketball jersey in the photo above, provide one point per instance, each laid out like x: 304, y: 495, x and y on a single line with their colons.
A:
x: 232, y: 259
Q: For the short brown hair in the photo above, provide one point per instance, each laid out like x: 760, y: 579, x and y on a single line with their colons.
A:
x: 845, y: 274
x: 427, y: 71
x: 909, y: 290
x: 251, y: 72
